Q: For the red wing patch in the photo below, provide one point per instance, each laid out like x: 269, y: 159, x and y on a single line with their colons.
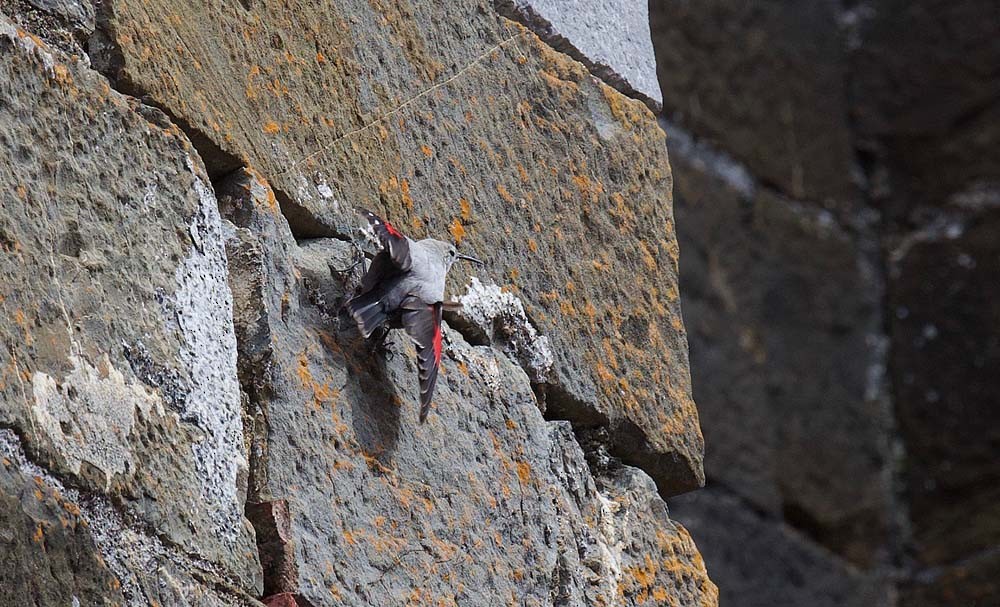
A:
x: 392, y: 230
x: 437, y: 338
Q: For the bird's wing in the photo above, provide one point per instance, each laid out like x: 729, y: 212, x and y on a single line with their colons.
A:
x: 382, y: 268
x: 422, y: 322
x: 392, y: 240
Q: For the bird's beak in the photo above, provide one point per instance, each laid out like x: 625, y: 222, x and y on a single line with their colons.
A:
x: 469, y: 258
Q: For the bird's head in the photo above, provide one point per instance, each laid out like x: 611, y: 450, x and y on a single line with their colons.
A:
x: 449, y: 254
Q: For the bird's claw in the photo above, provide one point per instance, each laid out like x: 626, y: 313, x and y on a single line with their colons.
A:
x: 346, y: 270
x: 381, y: 344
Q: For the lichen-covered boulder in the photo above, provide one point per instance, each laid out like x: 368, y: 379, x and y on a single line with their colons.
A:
x: 356, y: 502
x: 119, y: 357
x: 451, y: 119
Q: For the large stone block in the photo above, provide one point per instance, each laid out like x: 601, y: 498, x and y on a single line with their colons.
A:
x: 761, y: 562
x: 766, y: 82
x: 926, y: 87
x: 486, y: 502
x: 449, y: 118
x: 784, y: 325
x: 945, y: 351
x: 118, y: 366
x: 47, y: 554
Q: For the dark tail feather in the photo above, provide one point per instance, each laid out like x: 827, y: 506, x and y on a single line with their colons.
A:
x: 368, y: 311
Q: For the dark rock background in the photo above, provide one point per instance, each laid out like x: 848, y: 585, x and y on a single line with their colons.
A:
x: 837, y: 185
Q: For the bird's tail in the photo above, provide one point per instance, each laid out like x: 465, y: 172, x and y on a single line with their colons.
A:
x: 368, y: 310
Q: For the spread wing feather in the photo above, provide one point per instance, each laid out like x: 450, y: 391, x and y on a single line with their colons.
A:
x: 422, y: 322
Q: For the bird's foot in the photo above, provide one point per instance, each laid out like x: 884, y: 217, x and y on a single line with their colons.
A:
x: 347, y: 270
x: 381, y: 344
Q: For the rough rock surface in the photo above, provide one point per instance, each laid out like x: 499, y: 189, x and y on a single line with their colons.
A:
x: 49, y: 554
x: 968, y: 582
x: 452, y: 118
x: 118, y: 365
x: 485, y: 502
x: 187, y: 419
x: 927, y: 91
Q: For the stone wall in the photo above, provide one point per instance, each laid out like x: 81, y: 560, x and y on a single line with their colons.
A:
x: 837, y: 189
x: 188, y: 418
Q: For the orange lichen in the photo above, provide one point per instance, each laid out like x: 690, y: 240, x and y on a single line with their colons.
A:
x: 271, y: 127
x: 349, y: 536
x: 61, y: 73
x: 532, y: 245
x: 504, y: 193
x: 523, y: 472
x: 404, y: 187
x: 603, y: 373
x: 523, y: 173
x: 466, y: 209
x: 22, y: 322
x: 589, y: 189
x: 565, y: 89
x: 457, y: 231
x: 427, y: 151
x: 609, y: 353
x: 647, y: 257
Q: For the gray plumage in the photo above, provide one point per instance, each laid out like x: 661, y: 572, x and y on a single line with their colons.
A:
x: 404, y: 288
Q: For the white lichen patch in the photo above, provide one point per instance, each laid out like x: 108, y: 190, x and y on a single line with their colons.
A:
x: 324, y: 190
x: 482, y: 359
x: 204, y: 316
x: 610, y: 544
x: 89, y: 415
x: 501, y: 316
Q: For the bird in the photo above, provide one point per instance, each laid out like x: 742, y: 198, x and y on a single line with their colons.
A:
x: 404, y: 288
